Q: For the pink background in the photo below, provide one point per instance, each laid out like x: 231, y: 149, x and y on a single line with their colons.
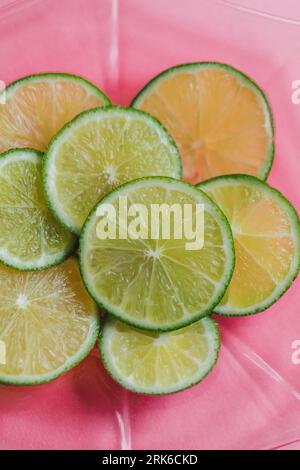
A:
x: 252, y: 398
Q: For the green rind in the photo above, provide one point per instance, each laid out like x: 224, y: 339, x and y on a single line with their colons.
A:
x: 57, y: 259
x: 69, y: 125
x: 230, y: 268
x: 293, y: 216
x: 251, y: 83
x: 59, y: 75
x: 71, y: 363
x: 106, y: 362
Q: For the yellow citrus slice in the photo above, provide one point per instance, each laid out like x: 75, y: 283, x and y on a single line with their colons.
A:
x: 36, y: 107
x: 157, y: 281
x: 266, y: 233
x: 219, y: 118
x: 48, y: 323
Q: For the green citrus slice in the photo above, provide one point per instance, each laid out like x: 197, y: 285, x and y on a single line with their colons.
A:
x: 30, y: 237
x: 157, y: 282
x: 36, y: 107
x: 48, y: 323
x: 99, y: 150
x: 266, y: 232
x: 219, y: 118
x: 159, y: 363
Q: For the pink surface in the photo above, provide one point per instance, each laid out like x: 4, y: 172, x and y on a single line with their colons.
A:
x: 252, y: 398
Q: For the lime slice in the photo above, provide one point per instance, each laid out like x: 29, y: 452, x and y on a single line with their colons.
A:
x: 30, y: 237
x: 36, y: 107
x: 158, y: 283
x: 159, y: 363
x: 266, y: 232
x: 219, y: 118
x: 48, y: 323
x: 99, y: 150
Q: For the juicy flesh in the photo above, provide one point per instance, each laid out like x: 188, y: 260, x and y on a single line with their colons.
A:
x: 264, y: 246
x: 157, y: 282
x: 159, y: 359
x: 45, y: 318
x: 101, y: 155
x: 220, y: 125
x: 36, y: 111
x: 28, y: 231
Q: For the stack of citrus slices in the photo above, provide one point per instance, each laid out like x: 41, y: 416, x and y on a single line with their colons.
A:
x: 197, y: 137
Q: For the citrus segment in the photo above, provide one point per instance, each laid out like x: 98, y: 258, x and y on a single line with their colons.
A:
x: 218, y: 117
x: 36, y: 107
x: 266, y: 232
x: 48, y: 323
x: 100, y: 150
x: 30, y: 237
x: 157, y: 283
x: 159, y: 363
